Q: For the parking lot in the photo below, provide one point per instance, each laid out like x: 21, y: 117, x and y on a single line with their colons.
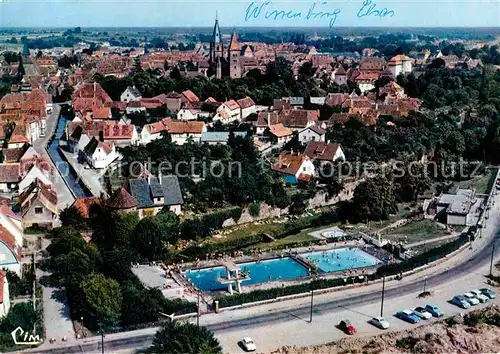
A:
x: 298, y: 331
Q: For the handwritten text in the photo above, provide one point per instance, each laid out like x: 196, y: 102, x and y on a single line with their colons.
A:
x: 370, y: 9
x: 265, y: 10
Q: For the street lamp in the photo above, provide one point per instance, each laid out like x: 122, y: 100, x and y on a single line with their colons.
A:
x: 101, y: 332
x: 425, y: 283
x: 491, y: 261
x: 383, y: 295
x: 312, y: 298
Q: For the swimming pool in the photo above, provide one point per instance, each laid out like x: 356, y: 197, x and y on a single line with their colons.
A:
x: 340, y: 259
x: 260, y: 272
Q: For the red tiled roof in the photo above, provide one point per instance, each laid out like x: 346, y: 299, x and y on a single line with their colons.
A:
x: 121, y: 199
x: 245, y: 102
x: 101, y: 113
x: 279, y: 130
x: 190, y: 96
x: 232, y: 105
x: 289, y: 163
x: 10, y: 172
x: 83, y: 205
x: 183, y: 127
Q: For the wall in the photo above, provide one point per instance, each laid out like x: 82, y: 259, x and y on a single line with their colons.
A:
x: 269, y: 212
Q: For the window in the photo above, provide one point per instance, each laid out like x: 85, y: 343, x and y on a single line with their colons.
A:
x: 38, y: 210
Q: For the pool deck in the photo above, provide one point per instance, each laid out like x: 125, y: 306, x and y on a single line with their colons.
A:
x: 295, y: 253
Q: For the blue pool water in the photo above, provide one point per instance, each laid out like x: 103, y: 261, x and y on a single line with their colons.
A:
x: 261, y: 272
x: 340, y: 259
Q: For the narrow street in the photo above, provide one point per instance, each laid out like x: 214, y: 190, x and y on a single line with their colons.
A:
x: 64, y: 195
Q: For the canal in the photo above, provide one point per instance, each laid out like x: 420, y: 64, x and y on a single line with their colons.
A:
x: 66, y: 171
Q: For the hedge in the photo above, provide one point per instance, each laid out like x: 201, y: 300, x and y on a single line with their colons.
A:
x: 273, y: 293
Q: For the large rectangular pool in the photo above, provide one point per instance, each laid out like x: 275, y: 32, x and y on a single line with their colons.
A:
x: 340, y: 259
x: 260, y: 272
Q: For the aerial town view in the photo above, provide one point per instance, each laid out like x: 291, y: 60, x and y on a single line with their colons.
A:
x: 291, y: 177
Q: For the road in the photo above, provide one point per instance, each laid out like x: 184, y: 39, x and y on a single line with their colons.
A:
x: 287, y: 321
x: 64, y: 195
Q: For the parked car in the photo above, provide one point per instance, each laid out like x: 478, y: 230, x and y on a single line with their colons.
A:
x: 460, y: 301
x: 480, y: 296
x: 490, y: 293
x: 471, y: 299
x: 408, y: 316
x: 422, y: 313
x: 248, y: 344
x: 347, y: 327
x: 434, y: 310
x: 379, y: 322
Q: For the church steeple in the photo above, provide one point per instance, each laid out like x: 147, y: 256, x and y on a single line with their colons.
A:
x: 235, y: 45
x: 217, y: 48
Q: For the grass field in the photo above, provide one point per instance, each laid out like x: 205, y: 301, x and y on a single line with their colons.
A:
x: 415, y: 232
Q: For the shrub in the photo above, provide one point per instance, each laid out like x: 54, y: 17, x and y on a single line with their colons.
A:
x: 273, y: 293
x: 254, y: 209
x: 236, y: 213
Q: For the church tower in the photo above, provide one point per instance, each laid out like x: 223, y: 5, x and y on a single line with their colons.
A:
x: 234, y: 57
x: 217, y: 49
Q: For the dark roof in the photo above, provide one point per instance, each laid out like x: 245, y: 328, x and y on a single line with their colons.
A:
x: 144, y: 190
x: 121, y: 199
x: 91, y: 146
x: 317, y: 150
x: 14, y: 155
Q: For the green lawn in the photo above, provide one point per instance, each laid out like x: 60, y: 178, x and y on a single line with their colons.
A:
x: 246, y: 230
x: 416, y: 231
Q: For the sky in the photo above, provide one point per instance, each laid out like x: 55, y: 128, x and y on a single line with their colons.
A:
x: 196, y: 13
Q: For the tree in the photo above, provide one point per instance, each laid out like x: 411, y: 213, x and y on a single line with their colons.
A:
x: 71, y: 216
x: 374, y: 199
x: 413, y: 182
x: 185, y: 337
x: 104, y: 301
x: 148, y: 240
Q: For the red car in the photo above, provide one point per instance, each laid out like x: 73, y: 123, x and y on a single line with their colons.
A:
x: 347, y: 327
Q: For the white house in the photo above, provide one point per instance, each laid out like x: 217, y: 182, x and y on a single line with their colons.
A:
x: 152, y: 132
x: 281, y: 133
x: 400, y: 64
x: 191, y: 114
x: 181, y: 131
x: 98, y: 154
x: 4, y: 294
x: 247, y: 106
x: 228, y: 112
x: 10, y: 175
x: 34, y: 173
x: 294, y: 167
x: 312, y: 133
x: 131, y: 93
x: 319, y: 150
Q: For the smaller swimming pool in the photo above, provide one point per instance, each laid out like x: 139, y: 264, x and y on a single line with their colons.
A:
x: 340, y: 259
x: 260, y: 272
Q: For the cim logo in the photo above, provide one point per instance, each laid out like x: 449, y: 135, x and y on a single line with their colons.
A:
x: 21, y: 337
